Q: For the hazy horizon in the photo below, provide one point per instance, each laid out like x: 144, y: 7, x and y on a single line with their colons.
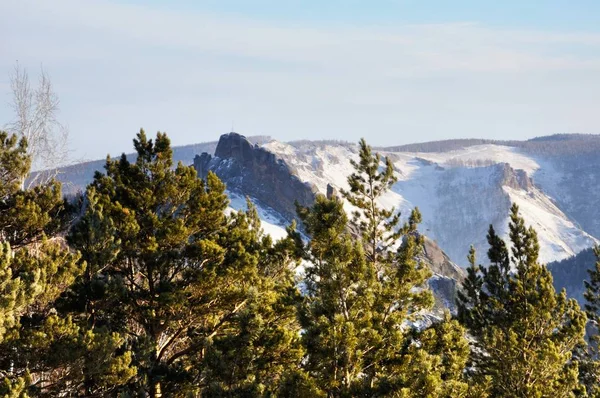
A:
x: 395, y: 72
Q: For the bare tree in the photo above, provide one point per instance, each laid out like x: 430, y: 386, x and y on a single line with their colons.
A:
x: 35, y: 110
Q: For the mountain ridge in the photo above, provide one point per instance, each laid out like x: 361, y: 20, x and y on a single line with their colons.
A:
x: 485, y: 177
x: 460, y: 192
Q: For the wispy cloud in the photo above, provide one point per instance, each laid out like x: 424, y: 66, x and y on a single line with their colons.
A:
x: 463, y: 46
x: 195, y: 71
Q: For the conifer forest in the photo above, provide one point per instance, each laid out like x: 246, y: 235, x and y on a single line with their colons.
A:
x: 146, y: 284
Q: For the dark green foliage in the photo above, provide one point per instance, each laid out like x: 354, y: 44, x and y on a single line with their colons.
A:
x: 592, y: 292
x: 571, y: 273
x: 204, y: 303
x: 589, y: 356
x: 35, y: 268
x: 436, y: 363
x: 163, y: 291
x: 360, y: 293
x: 261, y: 345
x: 525, y: 333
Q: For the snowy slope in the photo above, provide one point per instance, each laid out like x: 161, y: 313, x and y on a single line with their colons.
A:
x: 557, y: 234
x: 459, y: 193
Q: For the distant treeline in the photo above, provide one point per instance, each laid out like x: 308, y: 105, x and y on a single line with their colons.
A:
x: 320, y: 143
x: 554, y: 145
x: 570, y: 273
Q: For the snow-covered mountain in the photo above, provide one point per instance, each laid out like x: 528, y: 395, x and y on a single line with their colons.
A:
x: 459, y: 192
x: 460, y: 186
x: 268, y: 179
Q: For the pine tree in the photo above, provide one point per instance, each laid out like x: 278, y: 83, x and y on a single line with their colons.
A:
x: 592, y: 294
x: 201, y: 297
x: 436, y: 362
x: 338, y: 295
x: 364, y: 287
x: 525, y: 333
x: 590, y: 361
x: 35, y: 268
x: 262, y: 347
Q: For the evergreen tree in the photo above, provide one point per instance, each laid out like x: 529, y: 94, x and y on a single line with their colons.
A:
x: 201, y: 297
x: 363, y: 288
x: 35, y: 268
x: 261, y: 348
x: 525, y: 333
x: 437, y: 360
x: 590, y: 361
x: 592, y: 295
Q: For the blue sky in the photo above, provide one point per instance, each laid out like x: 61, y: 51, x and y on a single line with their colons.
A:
x: 391, y: 71
x: 547, y: 14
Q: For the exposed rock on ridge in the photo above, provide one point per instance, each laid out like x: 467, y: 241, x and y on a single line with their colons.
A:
x: 517, y: 179
x: 254, y: 171
x: 447, y: 276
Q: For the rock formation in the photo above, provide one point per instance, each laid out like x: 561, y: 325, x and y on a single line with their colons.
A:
x: 253, y: 171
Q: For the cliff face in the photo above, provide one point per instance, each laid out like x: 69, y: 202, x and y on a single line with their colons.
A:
x: 250, y: 170
x: 440, y: 263
x: 517, y: 179
x: 459, y: 193
x: 447, y: 277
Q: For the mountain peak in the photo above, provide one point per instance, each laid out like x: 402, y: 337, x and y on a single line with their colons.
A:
x: 234, y: 145
x: 251, y: 170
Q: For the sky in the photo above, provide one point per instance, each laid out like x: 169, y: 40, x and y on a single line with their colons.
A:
x: 391, y: 71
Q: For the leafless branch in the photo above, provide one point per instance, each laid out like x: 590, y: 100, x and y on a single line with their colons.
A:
x: 35, y: 119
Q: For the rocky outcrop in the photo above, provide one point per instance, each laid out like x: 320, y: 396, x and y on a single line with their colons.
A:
x: 331, y: 192
x: 447, y: 276
x: 439, y: 262
x: 517, y: 179
x: 445, y: 292
x: 251, y: 170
